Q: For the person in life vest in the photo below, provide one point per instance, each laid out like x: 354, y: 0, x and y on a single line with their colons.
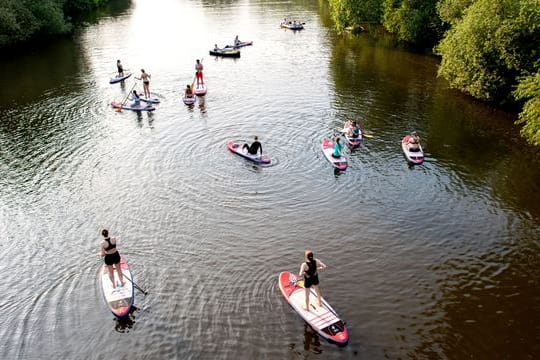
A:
x: 112, y: 257
x: 309, y: 270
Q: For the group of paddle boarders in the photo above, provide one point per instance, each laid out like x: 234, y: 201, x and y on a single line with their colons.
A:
x: 309, y: 269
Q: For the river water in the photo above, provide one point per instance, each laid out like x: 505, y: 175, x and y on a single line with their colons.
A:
x: 433, y: 261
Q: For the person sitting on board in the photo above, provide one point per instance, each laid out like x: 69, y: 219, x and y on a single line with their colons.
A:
x: 199, y: 73
x: 337, y: 149
x: 308, y: 270
x: 189, y: 91
x: 112, y: 257
x: 413, y: 143
x: 216, y: 48
x: 355, y: 130
x: 136, y: 99
x: 120, y: 68
x: 254, y: 147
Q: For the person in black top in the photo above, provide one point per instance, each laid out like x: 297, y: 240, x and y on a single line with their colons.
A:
x: 254, y: 147
x: 112, y: 257
x: 309, y: 271
x: 120, y: 68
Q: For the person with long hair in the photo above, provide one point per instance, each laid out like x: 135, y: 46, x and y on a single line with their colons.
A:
x: 309, y: 270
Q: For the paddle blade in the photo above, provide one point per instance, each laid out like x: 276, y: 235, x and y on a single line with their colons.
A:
x: 368, y: 136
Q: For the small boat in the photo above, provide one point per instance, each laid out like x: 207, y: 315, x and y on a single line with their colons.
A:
x: 141, y: 107
x: 200, y: 90
x: 239, y: 45
x: 292, y: 25
x: 118, y: 78
x: 226, y: 52
x: 189, y: 100
x: 413, y: 156
x: 119, y: 299
x: 238, y: 149
x: 327, y: 147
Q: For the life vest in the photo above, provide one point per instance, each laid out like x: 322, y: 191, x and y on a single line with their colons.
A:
x: 312, y: 268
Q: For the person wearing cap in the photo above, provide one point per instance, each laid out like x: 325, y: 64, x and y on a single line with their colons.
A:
x: 309, y: 270
x: 111, y: 257
x: 254, y: 147
x: 414, y: 142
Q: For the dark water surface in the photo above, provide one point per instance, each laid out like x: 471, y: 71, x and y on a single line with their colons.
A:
x: 436, y: 261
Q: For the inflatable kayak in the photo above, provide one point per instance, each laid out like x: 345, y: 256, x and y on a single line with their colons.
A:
x: 119, y: 299
x: 117, y: 78
x: 227, y: 52
x: 239, y: 45
x: 189, y: 100
x: 292, y: 25
x: 324, y: 320
x: 413, y: 157
x: 200, y: 90
x: 327, y: 147
x: 142, y: 107
x: 238, y: 150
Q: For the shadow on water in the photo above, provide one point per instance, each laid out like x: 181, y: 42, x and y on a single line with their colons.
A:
x: 125, y: 324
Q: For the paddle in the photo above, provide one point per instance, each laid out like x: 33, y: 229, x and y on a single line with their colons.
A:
x: 119, y: 109
x: 135, y: 285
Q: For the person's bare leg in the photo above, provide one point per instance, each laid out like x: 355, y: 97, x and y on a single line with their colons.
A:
x: 120, y: 274
x: 307, y: 299
x: 318, y: 291
x: 111, y: 275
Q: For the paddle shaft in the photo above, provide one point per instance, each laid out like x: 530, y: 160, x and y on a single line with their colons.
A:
x: 127, y: 96
x: 136, y: 286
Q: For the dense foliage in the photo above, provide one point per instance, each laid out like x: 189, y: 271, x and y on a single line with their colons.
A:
x: 414, y: 21
x: 22, y: 20
x: 488, y: 48
x: 529, y: 90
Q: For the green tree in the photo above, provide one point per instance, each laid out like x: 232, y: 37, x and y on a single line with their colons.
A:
x: 354, y: 12
x: 413, y: 21
x: 529, y: 90
x: 492, y: 45
x: 451, y: 11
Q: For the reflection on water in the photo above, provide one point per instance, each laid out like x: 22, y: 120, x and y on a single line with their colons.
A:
x: 434, y: 261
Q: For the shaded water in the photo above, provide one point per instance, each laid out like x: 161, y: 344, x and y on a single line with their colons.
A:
x: 435, y: 261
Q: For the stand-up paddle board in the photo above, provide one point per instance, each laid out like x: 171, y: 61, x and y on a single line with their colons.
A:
x: 413, y: 156
x: 118, y: 78
x: 200, y: 90
x: 189, y: 100
x: 327, y: 147
x: 238, y: 149
x: 150, y: 100
x: 145, y: 107
x: 119, y: 299
x: 324, y: 320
